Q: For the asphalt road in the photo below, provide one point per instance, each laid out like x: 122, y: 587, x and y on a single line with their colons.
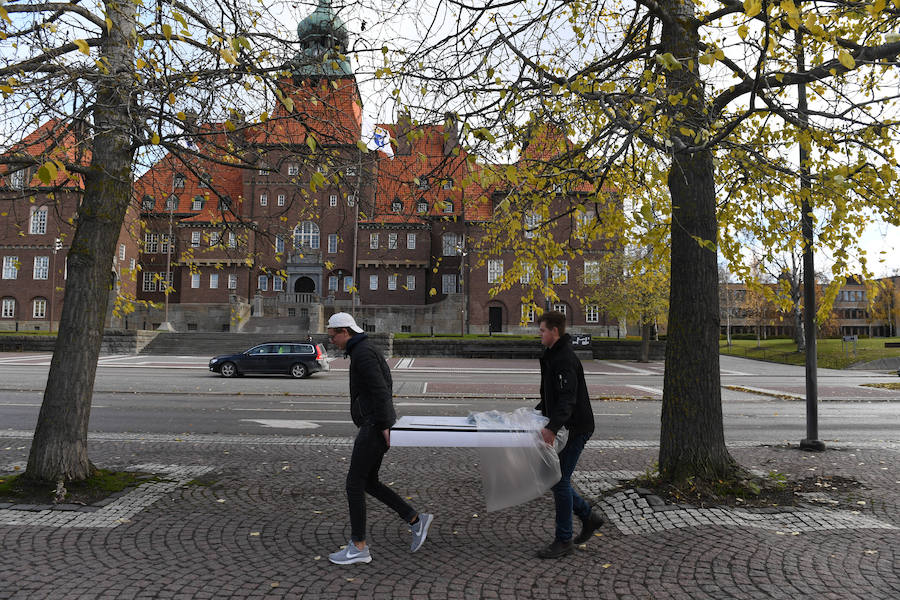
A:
x: 164, y: 394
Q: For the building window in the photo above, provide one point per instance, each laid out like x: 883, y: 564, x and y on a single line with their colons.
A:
x: 151, y: 243
x: 422, y: 183
x: 528, y: 313
x: 495, y: 270
x: 197, y: 203
x: 561, y: 272
x: 392, y: 282
x: 165, y: 281
x: 39, y: 310
x: 38, y: 220
x: 591, y: 272
x: 332, y: 283
x: 195, y: 239
x: 224, y: 204
x: 9, y: 308
x: 373, y: 282
x: 178, y: 181
x: 17, y: 179
x: 232, y: 240
x: 422, y: 207
x: 411, y: 241
x: 448, y: 206
x: 373, y: 241
x: 351, y: 171
x: 164, y: 246
x: 41, y: 267
x: 214, y: 238
x: 263, y: 283
x: 149, y: 283
x: 396, y: 206
x: 559, y: 307
x: 332, y: 200
x: 281, y: 199
x: 532, y: 220
x: 450, y: 244
x: 447, y: 184
x: 131, y: 264
x: 213, y: 281
x: 277, y: 284
x: 392, y: 241
x: 306, y: 234
x: 10, y: 267
x: 332, y: 243
x: 263, y: 169
x: 348, y: 283
x: 205, y: 180
x: 592, y: 313
x: 448, y: 284
x: 263, y: 199
x: 293, y: 169
x: 195, y: 280
x: 351, y: 199
x: 525, y: 277
x: 279, y: 243
x: 121, y: 251
x: 411, y: 282
x: 147, y: 203
x: 232, y: 281
x: 171, y: 203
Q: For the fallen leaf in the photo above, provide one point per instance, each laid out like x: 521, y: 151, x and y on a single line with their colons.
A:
x: 254, y: 534
x: 607, y: 565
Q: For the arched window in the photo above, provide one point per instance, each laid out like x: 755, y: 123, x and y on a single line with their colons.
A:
x: 306, y: 234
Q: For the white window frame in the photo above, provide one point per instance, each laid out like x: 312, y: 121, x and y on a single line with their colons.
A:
x: 592, y: 313
x: 561, y: 272
x: 392, y: 241
x: 293, y: 169
x: 232, y: 281
x: 264, y: 199
x: 131, y: 263
x: 332, y: 243
x: 277, y: 283
x: 213, y: 281
x: 422, y: 207
x: 528, y: 313
x: 178, y: 181
x: 262, y: 283
x: 164, y: 281
x: 332, y: 200
x: 525, y: 277
x: 448, y: 283
x: 410, y: 282
x: 559, y: 307
x: 8, y: 308
x: 529, y: 224
x: 411, y: 241
x: 10, y: 267
x: 195, y: 239
x: 121, y: 251
x: 450, y: 244
x: 448, y: 206
x: 41, y: 267
x: 197, y: 204
x: 39, y: 308
x: 149, y: 285
x: 281, y: 200
x: 351, y: 199
x: 495, y: 270
x: 151, y: 243
x: 332, y: 283
x: 232, y: 240
x: 195, y: 281
x: 373, y: 282
x: 38, y: 221
x: 164, y: 239
x: 373, y: 241
x: 392, y: 282
x: 592, y: 272
x: 348, y: 283
x: 17, y: 179
x: 306, y: 234
x: 279, y: 243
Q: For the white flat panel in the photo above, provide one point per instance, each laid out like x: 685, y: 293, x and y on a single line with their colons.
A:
x: 454, y: 432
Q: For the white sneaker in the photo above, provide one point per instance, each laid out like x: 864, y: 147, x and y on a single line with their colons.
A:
x: 420, y: 530
x: 350, y: 555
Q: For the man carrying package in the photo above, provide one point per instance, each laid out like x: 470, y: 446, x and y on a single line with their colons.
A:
x: 565, y: 401
x: 372, y: 410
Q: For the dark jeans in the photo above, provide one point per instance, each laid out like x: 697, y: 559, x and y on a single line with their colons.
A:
x: 566, y: 499
x: 368, y: 451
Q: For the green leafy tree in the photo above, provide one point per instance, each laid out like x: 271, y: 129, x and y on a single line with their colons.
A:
x: 700, y: 100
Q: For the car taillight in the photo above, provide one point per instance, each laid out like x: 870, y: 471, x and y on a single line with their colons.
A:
x: 319, y: 354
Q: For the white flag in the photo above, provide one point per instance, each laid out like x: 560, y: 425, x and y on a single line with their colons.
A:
x: 377, y: 138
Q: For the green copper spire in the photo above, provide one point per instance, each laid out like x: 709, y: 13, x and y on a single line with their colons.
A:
x: 323, y: 39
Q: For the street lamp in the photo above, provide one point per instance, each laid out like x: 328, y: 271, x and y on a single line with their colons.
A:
x: 166, y: 326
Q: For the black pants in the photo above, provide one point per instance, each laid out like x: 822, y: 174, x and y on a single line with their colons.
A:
x: 368, y: 451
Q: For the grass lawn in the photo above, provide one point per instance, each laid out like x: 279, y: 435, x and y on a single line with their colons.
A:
x: 830, y: 353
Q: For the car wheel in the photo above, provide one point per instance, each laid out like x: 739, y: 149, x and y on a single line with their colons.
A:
x: 228, y: 370
x: 299, y: 371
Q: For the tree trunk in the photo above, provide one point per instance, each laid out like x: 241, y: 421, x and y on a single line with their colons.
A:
x: 59, y: 448
x: 646, y: 330
x: 692, y: 440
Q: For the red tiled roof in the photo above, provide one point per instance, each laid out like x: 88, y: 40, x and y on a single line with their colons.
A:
x: 53, y: 140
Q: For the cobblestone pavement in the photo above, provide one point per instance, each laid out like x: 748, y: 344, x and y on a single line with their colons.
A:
x: 255, y: 517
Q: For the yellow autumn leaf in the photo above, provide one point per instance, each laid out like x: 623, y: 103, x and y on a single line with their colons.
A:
x: 155, y: 138
x: 846, y: 60
x: 83, y: 46
x: 752, y: 7
x: 707, y: 59
x: 47, y: 173
x: 227, y: 56
x: 743, y: 30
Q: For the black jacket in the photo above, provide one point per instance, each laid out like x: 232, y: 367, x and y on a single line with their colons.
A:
x: 564, y: 395
x: 371, y: 386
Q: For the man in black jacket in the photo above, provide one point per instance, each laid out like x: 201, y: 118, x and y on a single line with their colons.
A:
x: 565, y: 401
x: 372, y: 410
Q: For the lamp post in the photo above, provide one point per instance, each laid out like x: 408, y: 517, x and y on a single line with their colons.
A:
x: 166, y: 325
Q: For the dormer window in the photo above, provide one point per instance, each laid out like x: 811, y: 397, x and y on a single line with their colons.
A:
x: 178, y: 181
x: 351, y: 171
x: 17, y: 179
x: 447, y: 184
x: 422, y: 207
x: 224, y: 203
x: 171, y: 202
x: 205, y: 180
x: 147, y: 203
x: 293, y: 169
x: 396, y: 206
x: 351, y: 199
x: 448, y: 206
x: 263, y: 168
x: 197, y: 203
x: 422, y: 183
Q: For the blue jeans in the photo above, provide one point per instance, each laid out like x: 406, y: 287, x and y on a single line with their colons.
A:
x: 566, y: 499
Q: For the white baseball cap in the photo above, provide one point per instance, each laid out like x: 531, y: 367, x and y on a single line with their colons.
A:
x: 343, y: 319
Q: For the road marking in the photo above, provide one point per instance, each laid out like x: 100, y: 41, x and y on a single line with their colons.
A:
x: 405, y: 363
x: 634, y: 369
x: 645, y: 388
x: 288, y: 410
x: 433, y: 404
x: 291, y: 423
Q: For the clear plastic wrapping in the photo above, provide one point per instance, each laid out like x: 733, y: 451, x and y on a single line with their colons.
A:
x: 520, y: 472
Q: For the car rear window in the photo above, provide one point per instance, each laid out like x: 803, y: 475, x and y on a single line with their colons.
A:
x: 303, y: 349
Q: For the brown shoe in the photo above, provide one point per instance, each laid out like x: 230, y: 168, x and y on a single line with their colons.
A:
x: 557, y: 549
x: 588, y: 526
